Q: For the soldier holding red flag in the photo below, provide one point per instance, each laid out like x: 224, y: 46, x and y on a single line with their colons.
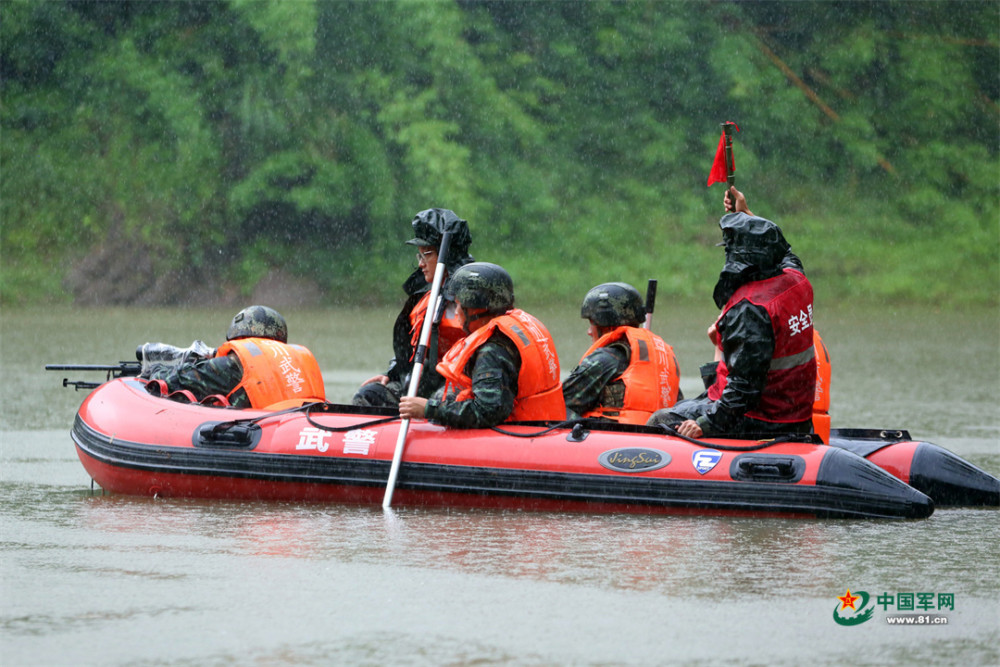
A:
x: 765, y: 380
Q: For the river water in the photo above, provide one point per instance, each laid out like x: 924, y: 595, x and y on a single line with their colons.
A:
x: 92, y: 579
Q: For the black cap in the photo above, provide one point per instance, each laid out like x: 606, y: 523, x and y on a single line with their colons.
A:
x: 429, y: 225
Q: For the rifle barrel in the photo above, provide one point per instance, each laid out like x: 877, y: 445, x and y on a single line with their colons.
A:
x: 123, y: 366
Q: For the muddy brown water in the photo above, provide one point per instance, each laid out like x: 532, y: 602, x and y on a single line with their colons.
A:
x: 111, y: 580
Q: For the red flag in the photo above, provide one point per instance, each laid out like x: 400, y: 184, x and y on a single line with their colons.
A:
x: 719, y: 173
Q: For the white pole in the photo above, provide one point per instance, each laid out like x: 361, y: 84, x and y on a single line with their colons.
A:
x: 418, y: 366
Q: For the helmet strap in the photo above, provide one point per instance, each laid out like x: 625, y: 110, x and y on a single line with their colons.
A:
x: 472, y: 317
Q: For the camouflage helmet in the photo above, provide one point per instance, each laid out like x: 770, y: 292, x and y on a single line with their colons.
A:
x: 482, y: 286
x: 430, y: 225
x: 258, y: 322
x: 613, y: 305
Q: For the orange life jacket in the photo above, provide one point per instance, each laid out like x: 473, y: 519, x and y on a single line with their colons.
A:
x: 539, y: 392
x: 821, y: 405
x: 449, y: 329
x: 651, y: 378
x: 275, y: 372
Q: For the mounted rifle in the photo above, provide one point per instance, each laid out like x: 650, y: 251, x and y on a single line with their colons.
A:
x: 122, y: 369
x: 146, y: 353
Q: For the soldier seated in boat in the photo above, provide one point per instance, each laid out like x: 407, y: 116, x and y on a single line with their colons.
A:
x: 428, y: 228
x: 256, y: 367
x: 629, y: 372
x: 765, y: 378
x: 505, y: 369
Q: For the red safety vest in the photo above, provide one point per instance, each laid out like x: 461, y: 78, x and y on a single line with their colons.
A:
x: 449, y: 329
x: 275, y: 373
x: 539, y: 392
x: 790, y: 389
x: 651, y: 378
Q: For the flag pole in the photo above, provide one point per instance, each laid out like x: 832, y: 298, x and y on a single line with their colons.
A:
x: 727, y: 132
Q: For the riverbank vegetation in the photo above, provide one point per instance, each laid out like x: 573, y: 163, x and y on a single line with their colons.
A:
x: 188, y: 152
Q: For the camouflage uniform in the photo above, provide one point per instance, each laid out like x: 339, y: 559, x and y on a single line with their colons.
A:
x: 590, y: 384
x: 401, y: 365
x: 198, y: 370
x: 218, y: 375
x: 429, y: 227
x: 495, y: 369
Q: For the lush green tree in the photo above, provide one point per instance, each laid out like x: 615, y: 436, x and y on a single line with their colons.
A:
x: 152, y: 146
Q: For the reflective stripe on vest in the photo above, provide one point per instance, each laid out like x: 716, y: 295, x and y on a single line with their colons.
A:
x: 792, y: 360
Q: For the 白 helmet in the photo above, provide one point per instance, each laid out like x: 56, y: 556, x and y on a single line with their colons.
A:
x: 258, y: 322
x: 613, y: 305
x: 430, y: 225
x: 482, y: 286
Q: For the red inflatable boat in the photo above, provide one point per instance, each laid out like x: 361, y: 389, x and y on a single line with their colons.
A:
x: 132, y: 442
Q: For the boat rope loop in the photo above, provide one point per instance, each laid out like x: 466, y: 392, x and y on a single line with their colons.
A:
x: 352, y: 427
x: 308, y: 409
x: 565, y: 424
x: 760, y: 444
x: 392, y: 415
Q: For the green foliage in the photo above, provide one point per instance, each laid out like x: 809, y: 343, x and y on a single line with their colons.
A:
x: 243, y: 136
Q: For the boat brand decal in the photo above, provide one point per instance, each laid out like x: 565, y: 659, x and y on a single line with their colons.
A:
x: 705, y: 459
x: 359, y: 441
x: 311, y: 437
x: 634, y: 459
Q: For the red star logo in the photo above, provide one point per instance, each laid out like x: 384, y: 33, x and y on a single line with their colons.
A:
x: 847, y: 600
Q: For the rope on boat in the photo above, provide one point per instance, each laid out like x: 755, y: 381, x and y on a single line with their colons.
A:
x: 352, y: 427
x: 566, y: 424
x: 573, y: 424
x: 761, y: 444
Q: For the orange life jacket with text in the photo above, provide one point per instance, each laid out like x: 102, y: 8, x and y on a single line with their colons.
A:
x: 821, y: 405
x: 651, y: 379
x: 539, y: 391
x: 449, y: 328
x: 275, y: 373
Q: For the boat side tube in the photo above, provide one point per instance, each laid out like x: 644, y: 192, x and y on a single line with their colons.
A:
x: 947, y: 478
x: 878, y: 489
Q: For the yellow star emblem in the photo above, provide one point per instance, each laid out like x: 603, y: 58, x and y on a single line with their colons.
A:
x: 847, y: 600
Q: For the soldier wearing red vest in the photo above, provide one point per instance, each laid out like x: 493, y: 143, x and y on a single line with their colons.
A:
x: 428, y: 228
x: 629, y: 372
x: 765, y: 381
x: 256, y: 367
x: 505, y: 369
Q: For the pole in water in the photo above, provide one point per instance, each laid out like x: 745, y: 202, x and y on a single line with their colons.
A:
x: 430, y: 315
